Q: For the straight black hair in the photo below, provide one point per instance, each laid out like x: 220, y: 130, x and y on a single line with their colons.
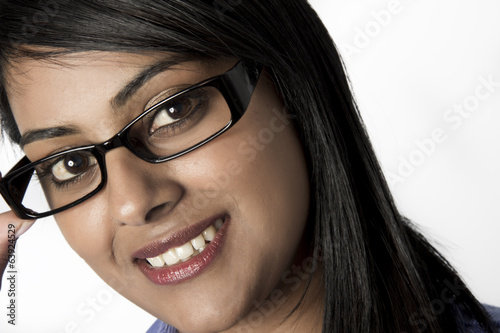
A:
x: 380, y: 274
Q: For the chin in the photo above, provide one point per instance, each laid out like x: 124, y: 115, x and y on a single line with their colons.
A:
x: 210, y: 318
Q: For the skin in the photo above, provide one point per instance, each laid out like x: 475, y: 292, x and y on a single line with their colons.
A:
x: 267, y: 197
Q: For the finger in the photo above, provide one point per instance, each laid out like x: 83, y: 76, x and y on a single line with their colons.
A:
x: 21, y: 226
x: 11, y: 227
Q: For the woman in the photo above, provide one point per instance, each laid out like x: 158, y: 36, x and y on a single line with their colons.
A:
x: 238, y: 170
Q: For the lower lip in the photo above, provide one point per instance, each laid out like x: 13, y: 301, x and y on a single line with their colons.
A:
x: 189, y: 269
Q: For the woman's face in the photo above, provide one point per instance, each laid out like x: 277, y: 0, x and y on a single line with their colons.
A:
x: 253, y: 177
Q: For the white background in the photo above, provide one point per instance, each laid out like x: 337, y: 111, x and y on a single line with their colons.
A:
x: 408, y: 70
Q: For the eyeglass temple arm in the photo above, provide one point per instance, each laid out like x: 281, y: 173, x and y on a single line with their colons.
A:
x: 239, y: 83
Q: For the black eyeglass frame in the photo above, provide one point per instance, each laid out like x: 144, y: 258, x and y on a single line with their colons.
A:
x: 236, y: 86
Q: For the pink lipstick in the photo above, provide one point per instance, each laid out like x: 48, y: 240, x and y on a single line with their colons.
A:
x: 188, y: 265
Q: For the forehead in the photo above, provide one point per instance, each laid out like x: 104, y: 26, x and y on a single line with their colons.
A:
x: 75, y: 81
x: 29, y: 79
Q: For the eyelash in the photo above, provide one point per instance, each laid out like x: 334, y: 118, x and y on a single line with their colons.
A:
x: 66, y: 183
x: 175, y: 126
x: 199, y: 97
x: 46, y: 173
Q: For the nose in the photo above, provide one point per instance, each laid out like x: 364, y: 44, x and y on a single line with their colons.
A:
x: 138, y: 192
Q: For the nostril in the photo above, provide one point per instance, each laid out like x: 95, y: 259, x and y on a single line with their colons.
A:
x: 155, y: 211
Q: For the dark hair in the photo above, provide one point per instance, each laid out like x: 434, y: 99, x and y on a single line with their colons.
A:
x: 380, y: 274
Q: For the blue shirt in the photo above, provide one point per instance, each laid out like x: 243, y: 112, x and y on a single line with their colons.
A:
x: 471, y: 325
x: 161, y: 327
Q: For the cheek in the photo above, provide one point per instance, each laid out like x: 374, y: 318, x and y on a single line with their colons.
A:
x: 89, y: 236
x: 273, y: 193
x: 260, y: 165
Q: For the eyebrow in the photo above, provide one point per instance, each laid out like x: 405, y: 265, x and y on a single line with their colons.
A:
x: 133, y: 86
x: 46, y: 133
x: 118, y: 101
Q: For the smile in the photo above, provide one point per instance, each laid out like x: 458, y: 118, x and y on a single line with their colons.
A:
x: 184, y: 254
x: 189, y: 250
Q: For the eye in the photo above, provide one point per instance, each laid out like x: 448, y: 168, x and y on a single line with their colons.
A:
x: 72, y: 165
x: 170, y: 113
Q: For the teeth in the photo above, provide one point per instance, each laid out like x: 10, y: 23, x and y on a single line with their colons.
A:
x: 170, y: 257
x: 188, y: 250
x: 156, y: 261
x: 198, y: 242
x: 209, y: 234
x: 185, y: 251
x: 218, y: 224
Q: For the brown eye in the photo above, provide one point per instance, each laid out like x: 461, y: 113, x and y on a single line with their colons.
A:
x: 170, y: 113
x: 72, y: 165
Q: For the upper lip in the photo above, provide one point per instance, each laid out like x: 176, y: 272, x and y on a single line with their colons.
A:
x: 174, y: 239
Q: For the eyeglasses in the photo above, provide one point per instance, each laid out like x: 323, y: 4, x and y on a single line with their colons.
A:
x: 171, y: 128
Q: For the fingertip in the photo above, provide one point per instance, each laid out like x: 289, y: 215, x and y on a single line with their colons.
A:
x: 10, y: 220
x: 24, y: 227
